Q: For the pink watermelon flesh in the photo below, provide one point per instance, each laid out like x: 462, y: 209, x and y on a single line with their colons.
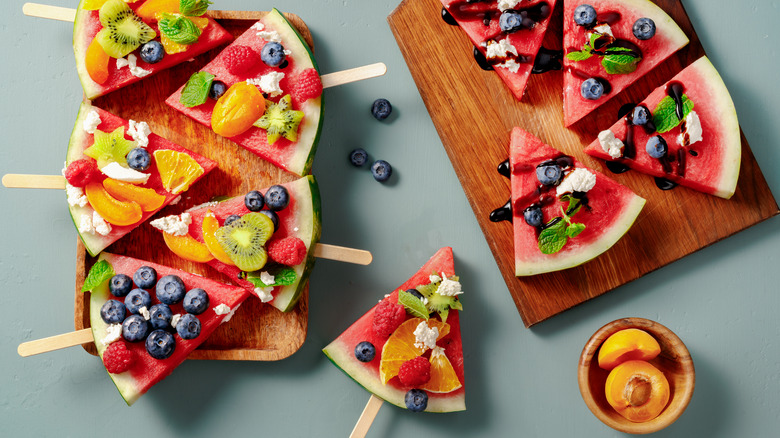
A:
x: 471, y: 17
x: 715, y: 167
x: 342, y: 350
x: 668, y: 39
x: 613, y: 209
x: 80, y: 140
x: 146, y: 371
x: 87, y: 25
x: 295, y: 157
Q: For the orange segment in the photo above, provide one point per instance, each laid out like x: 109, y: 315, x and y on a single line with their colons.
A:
x: 111, y: 209
x: 151, y: 8
x: 173, y: 47
x: 627, y: 344
x: 148, y: 199
x: 237, y: 109
x: 177, y: 170
x: 96, y: 62
x: 210, y: 225
x: 443, y: 376
x: 188, y: 248
x: 400, y: 346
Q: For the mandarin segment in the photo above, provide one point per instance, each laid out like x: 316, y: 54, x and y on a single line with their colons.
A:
x: 627, y: 344
x: 400, y: 346
x: 443, y: 376
x: 114, y: 211
x: 148, y: 199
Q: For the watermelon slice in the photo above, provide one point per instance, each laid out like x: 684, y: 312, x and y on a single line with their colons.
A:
x: 145, y: 371
x: 618, y: 70
x: 87, y: 24
x: 710, y: 160
x: 342, y: 350
x: 606, y: 211
x: 300, y: 81
x: 301, y: 219
x: 81, y: 211
x: 513, y: 54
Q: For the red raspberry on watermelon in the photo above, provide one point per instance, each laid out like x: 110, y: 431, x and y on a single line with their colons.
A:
x: 117, y: 358
x: 415, y: 372
x: 309, y: 86
x: 82, y: 172
x: 387, y: 317
x: 289, y: 251
x: 239, y: 59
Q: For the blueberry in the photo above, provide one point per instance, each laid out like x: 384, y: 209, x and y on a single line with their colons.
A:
x: 272, y: 54
x: 232, y: 218
x: 381, y: 170
x: 145, y: 277
x: 656, y: 147
x: 644, y: 28
x: 152, y: 52
x: 254, y: 201
x: 416, y: 293
x: 416, y: 400
x: 120, y: 285
x: 160, y: 344
x: 217, y: 89
x: 136, y: 299
x: 510, y: 21
x: 161, y: 316
x: 592, y: 89
x: 139, y: 159
x: 113, y: 312
x: 196, y: 301
x: 277, y: 198
x: 585, y: 15
x: 549, y: 174
x: 640, y: 116
x: 274, y: 217
x: 365, y: 351
x: 533, y: 216
x: 170, y: 289
x: 381, y: 109
x: 358, y: 157
x: 188, y: 326
x: 135, y: 328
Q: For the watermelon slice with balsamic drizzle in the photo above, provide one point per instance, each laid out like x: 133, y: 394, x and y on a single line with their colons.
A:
x: 617, y: 43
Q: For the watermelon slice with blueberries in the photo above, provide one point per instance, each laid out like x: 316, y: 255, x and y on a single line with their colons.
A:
x: 407, y: 350
x: 507, y: 37
x: 608, y: 45
x: 147, y: 318
x: 264, y: 241
x: 119, y: 174
x: 685, y: 132
x: 263, y: 92
x: 563, y: 213
x: 117, y: 43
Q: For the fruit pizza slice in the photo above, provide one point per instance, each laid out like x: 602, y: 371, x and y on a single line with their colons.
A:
x: 263, y: 92
x: 507, y: 36
x: 407, y: 350
x: 564, y: 214
x: 686, y: 131
x: 264, y: 241
x: 114, y: 183
x: 147, y: 318
x: 608, y: 45
x: 119, y: 42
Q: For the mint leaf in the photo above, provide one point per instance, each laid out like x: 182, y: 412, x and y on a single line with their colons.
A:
x: 414, y: 306
x: 619, y: 61
x: 196, y: 90
x: 665, y: 114
x: 178, y: 29
x: 574, y: 230
x: 579, y: 56
x: 553, y: 238
x: 282, y: 277
x: 574, y: 205
x: 193, y: 8
x: 100, y: 272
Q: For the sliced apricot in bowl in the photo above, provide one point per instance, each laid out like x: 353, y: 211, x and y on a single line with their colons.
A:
x: 637, y: 390
x: 627, y: 344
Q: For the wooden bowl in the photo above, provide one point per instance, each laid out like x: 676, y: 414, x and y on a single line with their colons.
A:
x: 674, y: 361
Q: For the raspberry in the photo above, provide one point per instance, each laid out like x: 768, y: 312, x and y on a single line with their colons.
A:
x: 239, y: 59
x: 117, y: 358
x: 288, y: 251
x: 415, y: 372
x: 82, y: 172
x: 308, y: 86
x: 387, y: 317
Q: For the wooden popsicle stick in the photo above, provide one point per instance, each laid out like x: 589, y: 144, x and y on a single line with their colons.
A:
x: 343, y: 254
x: 48, y: 11
x: 22, y: 181
x: 57, y: 342
x: 367, y: 417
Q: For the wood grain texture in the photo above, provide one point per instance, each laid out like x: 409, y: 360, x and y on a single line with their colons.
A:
x: 474, y: 113
x: 257, y: 331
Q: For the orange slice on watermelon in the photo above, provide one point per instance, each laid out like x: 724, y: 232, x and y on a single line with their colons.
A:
x: 177, y: 169
x: 401, y: 347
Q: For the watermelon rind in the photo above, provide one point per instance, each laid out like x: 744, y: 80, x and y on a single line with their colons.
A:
x: 81, y: 41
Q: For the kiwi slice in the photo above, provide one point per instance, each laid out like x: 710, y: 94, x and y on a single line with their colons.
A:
x: 280, y: 121
x: 123, y: 31
x: 243, y: 240
x: 110, y: 147
x: 438, y: 303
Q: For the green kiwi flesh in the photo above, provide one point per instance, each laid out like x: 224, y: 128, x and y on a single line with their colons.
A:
x: 243, y: 240
x: 280, y: 121
x: 438, y: 303
x: 123, y: 31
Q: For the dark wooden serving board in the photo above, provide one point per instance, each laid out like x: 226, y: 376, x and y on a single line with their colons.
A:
x: 257, y: 331
x: 474, y: 113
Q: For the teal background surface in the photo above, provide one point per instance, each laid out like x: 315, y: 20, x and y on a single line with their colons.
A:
x: 722, y: 301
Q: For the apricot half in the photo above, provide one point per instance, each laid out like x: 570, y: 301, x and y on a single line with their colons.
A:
x: 96, y: 62
x: 209, y: 226
x: 237, y: 109
x: 148, y: 199
x: 627, y: 344
x: 637, y: 390
x: 114, y: 211
x: 188, y: 248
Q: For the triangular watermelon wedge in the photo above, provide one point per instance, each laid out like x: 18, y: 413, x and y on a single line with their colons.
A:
x: 342, y: 350
x: 606, y: 211
x: 146, y: 371
x: 83, y: 213
x: 297, y: 77
x: 87, y: 24
x: 511, y: 54
x: 619, y: 17
x: 711, y: 164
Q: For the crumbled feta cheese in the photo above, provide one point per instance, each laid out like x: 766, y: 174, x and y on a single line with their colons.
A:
x: 603, y: 29
x: 436, y: 352
x: 258, y: 26
x: 270, y: 36
x: 140, y: 132
x: 113, y: 333
x: 100, y: 225
x: 692, y: 128
x: 176, y: 200
x: 143, y: 311
x: 131, y: 62
x: 268, y: 83
x: 503, y: 5
x: 424, y: 336
x: 91, y: 121
x: 611, y: 145
x: 222, y: 309
x: 448, y: 288
x: 267, y: 278
x: 434, y: 278
x: 116, y: 171
x: 230, y: 313
x: 76, y: 196
x: 175, y: 320
x: 203, y: 205
x: 264, y: 293
x: 511, y: 65
x: 579, y: 180
x: 175, y: 225
x: 499, y: 49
